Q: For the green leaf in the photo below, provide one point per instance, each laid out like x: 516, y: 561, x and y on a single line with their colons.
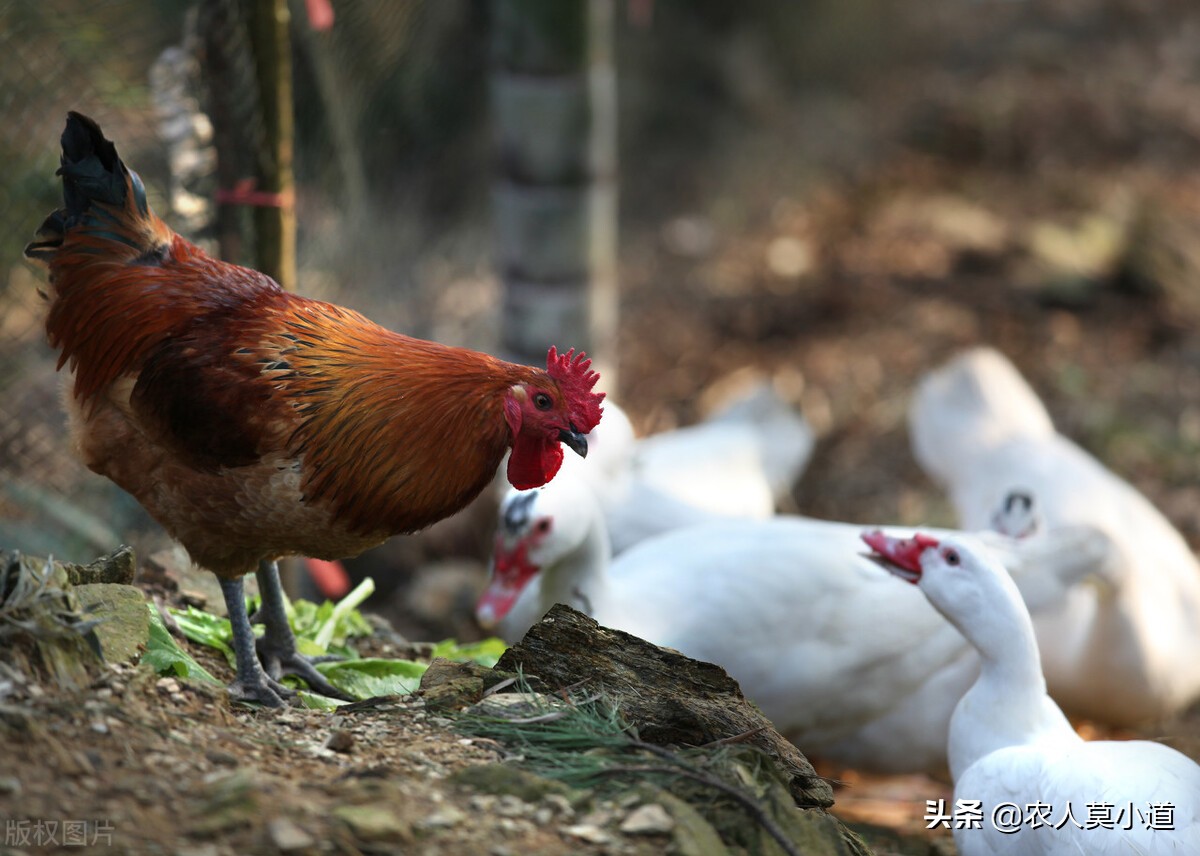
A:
x: 319, y: 629
x: 485, y: 652
x: 316, y: 701
x: 344, y: 619
x: 374, y: 676
x: 165, y: 656
x: 206, y: 629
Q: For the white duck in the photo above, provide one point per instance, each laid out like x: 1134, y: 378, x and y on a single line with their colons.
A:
x: 808, y: 626
x: 740, y: 462
x: 1009, y: 743
x: 1121, y: 654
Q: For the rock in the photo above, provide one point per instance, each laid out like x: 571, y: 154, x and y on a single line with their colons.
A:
x: 560, y: 805
x: 649, y: 819
x: 587, y: 832
x: 170, y: 686
x: 221, y: 758
x: 375, y: 822
x: 340, y: 741
x: 287, y: 836
x: 444, y: 818
x: 449, y: 685
x: 125, y: 625
x: 510, y: 805
x: 118, y: 567
x: 667, y: 697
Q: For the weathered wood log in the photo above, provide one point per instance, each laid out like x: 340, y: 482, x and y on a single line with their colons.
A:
x: 669, y: 698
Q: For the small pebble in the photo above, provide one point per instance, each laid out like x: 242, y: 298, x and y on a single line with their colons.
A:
x: 649, y: 819
x: 167, y: 685
x: 511, y: 806
x: 561, y: 804
x: 221, y: 757
x: 340, y: 741
x: 589, y: 833
x: 445, y: 817
x: 482, y: 802
x: 287, y: 836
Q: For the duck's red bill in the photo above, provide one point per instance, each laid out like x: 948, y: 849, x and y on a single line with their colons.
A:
x: 900, y: 556
x: 511, y: 572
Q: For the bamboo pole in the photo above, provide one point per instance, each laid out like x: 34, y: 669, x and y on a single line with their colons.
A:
x: 275, y: 225
x: 553, y: 95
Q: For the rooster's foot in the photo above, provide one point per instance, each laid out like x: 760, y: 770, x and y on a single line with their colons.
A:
x: 263, y: 691
x: 277, y: 647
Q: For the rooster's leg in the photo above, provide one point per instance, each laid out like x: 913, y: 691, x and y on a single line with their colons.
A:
x: 252, y: 683
x: 278, y: 645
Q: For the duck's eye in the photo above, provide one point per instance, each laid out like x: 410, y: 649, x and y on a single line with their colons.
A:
x: 542, y: 401
x: 952, y: 558
x: 543, y: 526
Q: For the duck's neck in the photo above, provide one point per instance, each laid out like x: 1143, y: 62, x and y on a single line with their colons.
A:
x: 1007, y: 705
x: 580, y: 578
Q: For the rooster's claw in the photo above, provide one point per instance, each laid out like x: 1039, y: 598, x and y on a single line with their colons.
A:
x: 266, y: 692
x: 284, y: 662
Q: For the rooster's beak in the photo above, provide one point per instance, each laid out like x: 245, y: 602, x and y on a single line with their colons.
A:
x: 576, y: 441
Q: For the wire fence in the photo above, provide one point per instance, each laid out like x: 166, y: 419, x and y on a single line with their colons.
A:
x: 391, y: 168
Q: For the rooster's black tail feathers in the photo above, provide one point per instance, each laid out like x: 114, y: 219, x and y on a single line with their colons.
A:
x: 91, y: 172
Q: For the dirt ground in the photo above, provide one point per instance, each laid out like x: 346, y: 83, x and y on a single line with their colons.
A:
x: 1036, y: 191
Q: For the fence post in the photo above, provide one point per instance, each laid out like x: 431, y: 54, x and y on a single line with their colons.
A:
x: 553, y: 95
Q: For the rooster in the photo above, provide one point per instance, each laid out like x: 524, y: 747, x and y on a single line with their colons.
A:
x: 255, y: 424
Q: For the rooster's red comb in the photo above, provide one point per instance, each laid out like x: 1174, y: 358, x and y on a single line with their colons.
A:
x: 576, y: 379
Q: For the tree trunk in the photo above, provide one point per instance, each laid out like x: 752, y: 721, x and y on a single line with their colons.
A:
x: 553, y: 98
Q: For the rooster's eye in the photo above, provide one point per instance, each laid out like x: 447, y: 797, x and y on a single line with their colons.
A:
x: 542, y: 401
x: 951, y: 557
